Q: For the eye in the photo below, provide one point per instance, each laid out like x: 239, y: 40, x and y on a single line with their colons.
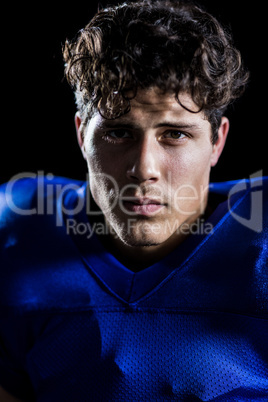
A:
x: 118, y: 134
x: 174, y: 135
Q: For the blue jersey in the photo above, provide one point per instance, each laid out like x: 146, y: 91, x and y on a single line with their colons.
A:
x: 76, y: 325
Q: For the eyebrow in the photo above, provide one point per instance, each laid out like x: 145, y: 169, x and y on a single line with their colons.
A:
x: 177, y: 125
x: 108, y: 124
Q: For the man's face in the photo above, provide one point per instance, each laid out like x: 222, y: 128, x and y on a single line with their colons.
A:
x: 149, y: 169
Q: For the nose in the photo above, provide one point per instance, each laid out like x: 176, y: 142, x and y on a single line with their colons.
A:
x: 143, y: 165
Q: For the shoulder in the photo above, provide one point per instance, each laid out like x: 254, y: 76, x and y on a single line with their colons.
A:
x: 33, y: 201
x: 242, y: 236
x: 246, y: 201
x: 34, y: 247
x: 32, y: 194
x: 251, y: 184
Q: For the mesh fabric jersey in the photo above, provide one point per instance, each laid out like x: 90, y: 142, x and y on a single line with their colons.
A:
x: 76, y: 325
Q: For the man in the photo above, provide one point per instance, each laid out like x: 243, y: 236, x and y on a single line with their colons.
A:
x: 146, y: 282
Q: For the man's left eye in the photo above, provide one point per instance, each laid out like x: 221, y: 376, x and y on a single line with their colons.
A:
x: 175, y: 135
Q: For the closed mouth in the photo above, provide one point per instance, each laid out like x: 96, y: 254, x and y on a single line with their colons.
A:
x: 142, y: 206
x: 142, y: 201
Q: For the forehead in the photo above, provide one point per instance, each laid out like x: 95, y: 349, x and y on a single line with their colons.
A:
x: 153, y: 100
x: 152, y: 106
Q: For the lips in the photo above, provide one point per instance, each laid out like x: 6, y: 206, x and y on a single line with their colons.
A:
x: 142, y: 206
x: 142, y: 201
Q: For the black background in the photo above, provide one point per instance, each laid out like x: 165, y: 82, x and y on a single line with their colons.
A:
x: 38, y: 109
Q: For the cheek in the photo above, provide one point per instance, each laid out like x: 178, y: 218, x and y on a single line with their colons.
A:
x: 94, y: 156
x: 189, y: 180
x: 100, y: 158
x: 190, y: 167
x: 102, y: 176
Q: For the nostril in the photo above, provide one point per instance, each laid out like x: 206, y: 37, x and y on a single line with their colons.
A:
x: 142, y: 179
x: 141, y: 173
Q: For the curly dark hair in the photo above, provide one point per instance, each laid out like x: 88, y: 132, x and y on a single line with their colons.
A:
x: 173, y: 45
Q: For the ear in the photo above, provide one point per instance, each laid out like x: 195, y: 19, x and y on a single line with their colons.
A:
x: 80, y: 137
x: 219, y: 145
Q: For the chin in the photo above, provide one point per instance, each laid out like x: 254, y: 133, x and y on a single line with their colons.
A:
x: 140, y: 233
x: 141, y: 240
x: 141, y: 243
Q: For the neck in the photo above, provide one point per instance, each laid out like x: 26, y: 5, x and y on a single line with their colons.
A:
x: 137, y: 258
